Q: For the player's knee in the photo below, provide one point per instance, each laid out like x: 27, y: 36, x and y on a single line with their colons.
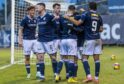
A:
x: 53, y: 57
x: 64, y: 57
x: 71, y: 58
x: 96, y: 57
x: 75, y: 60
x: 27, y: 58
x: 84, y: 59
x: 96, y: 60
x: 40, y: 57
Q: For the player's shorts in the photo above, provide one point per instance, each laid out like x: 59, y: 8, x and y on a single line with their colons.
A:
x: 92, y: 47
x: 57, y: 44
x: 68, y: 47
x: 79, y: 52
x: 28, y: 46
x: 46, y: 47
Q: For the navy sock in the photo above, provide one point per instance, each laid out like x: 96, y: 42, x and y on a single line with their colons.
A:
x: 86, y: 66
x: 54, y: 66
x: 42, y: 68
x: 66, y: 62
x: 75, y: 70
x: 27, y: 68
x: 38, y: 67
x: 97, y: 68
x: 59, y: 66
x: 71, y: 69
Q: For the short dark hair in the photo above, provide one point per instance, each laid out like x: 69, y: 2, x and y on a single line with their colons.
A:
x: 30, y: 7
x: 93, y: 5
x: 71, y: 7
x: 42, y: 4
x: 56, y: 4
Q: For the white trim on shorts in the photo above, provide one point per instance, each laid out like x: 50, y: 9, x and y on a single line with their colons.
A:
x: 46, y: 47
x: 28, y: 46
x: 92, y: 47
x: 68, y: 47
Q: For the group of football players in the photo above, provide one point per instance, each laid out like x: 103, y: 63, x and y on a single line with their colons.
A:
x: 75, y: 36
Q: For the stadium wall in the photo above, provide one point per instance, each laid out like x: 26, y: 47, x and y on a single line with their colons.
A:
x: 113, y: 29
x: 5, y: 36
x: 112, y: 34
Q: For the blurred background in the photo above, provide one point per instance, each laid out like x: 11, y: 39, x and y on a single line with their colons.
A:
x: 112, y: 12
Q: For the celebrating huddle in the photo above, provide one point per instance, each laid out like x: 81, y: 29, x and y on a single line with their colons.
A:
x: 75, y: 36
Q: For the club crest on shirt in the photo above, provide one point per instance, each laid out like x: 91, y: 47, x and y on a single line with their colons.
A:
x: 44, y: 18
x: 34, y: 21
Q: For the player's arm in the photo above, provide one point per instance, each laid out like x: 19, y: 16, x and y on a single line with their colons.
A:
x: 21, y: 32
x: 53, y: 17
x: 74, y: 21
x: 101, y: 29
x: 20, y: 36
x: 101, y: 25
x: 80, y: 27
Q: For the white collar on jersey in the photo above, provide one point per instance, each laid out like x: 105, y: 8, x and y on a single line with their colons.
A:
x: 43, y: 15
x: 30, y: 17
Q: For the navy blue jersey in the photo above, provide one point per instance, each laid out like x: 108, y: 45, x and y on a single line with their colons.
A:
x: 56, y: 30
x: 67, y: 29
x: 80, y: 32
x: 91, y: 22
x: 45, y: 28
x: 29, y: 28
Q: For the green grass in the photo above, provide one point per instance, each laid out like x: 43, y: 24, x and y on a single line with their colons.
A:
x: 16, y: 74
x: 4, y: 56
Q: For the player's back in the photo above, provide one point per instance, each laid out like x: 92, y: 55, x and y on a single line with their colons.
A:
x: 92, y: 23
x: 68, y: 31
x: 80, y: 32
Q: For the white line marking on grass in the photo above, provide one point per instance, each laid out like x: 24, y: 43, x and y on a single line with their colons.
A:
x: 6, y: 66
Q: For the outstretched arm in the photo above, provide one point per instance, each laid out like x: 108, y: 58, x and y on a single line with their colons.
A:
x: 76, y: 22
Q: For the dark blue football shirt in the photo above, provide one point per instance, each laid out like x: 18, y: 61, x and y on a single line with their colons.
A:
x: 67, y: 29
x: 29, y: 27
x: 45, y: 27
x: 91, y: 22
x: 56, y: 29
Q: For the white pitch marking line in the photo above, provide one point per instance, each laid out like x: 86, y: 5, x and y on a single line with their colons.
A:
x: 6, y: 66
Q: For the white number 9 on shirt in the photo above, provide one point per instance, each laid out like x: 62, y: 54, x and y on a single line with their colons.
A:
x: 94, y: 26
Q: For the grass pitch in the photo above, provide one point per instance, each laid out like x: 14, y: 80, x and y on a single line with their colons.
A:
x: 16, y: 74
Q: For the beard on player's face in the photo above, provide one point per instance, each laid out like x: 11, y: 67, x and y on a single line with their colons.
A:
x: 57, y: 10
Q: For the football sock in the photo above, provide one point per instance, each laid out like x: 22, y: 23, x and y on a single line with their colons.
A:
x: 42, y: 68
x: 71, y: 68
x: 86, y: 66
x: 75, y: 70
x: 59, y: 66
x: 54, y: 66
x: 38, y: 67
x: 97, y: 68
x: 66, y: 67
x: 27, y: 68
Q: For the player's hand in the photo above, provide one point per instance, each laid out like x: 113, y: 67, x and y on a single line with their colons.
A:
x: 66, y: 16
x: 20, y: 43
x: 82, y: 10
x: 36, y: 36
x: 56, y: 16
